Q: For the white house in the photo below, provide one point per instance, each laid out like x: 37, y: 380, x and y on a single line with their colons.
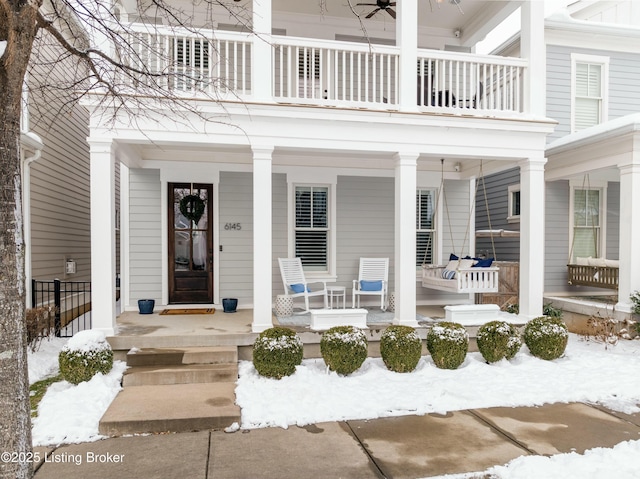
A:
x: 593, y: 169
x: 323, y: 140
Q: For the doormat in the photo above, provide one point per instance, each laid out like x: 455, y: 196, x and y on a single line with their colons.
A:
x: 189, y: 311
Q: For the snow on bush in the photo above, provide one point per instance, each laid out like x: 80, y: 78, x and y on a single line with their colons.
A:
x: 343, y: 348
x: 276, y: 352
x: 84, y: 355
x: 448, y: 344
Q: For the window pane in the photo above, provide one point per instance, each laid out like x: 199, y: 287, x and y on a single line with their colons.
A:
x: 515, y: 205
x: 585, y: 242
x: 180, y: 222
x: 424, y: 209
x: 587, y: 112
x: 311, y: 248
x: 303, y: 207
x: 199, y: 250
x: 182, y: 248
x: 320, y: 205
x: 424, y: 248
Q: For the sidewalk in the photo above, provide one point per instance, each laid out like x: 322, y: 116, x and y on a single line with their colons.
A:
x: 397, y: 447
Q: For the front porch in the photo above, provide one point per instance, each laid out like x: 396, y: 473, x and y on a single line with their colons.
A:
x: 134, y: 330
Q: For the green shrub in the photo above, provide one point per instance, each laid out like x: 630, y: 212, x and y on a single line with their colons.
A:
x: 343, y: 348
x: 448, y: 344
x: 546, y: 337
x: 551, y: 311
x: 498, y: 340
x: 84, y: 355
x: 635, y: 299
x: 400, y: 348
x: 276, y: 352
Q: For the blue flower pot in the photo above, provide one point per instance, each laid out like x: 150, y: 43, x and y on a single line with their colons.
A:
x: 229, y: 305
x: 145, y: 306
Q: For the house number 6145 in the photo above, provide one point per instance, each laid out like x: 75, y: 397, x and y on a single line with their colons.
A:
x: 232, y: 226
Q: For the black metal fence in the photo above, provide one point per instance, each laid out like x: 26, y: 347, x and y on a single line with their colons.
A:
x: 72, y: 300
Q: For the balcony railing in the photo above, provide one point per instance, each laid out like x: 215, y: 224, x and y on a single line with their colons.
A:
x: 324, y: 72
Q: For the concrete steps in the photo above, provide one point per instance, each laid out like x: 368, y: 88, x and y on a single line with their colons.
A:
x: 175, y: 390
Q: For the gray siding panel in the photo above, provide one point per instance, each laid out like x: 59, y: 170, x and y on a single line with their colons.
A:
x: 557, y: 236
x: 280, y: 231
x: 624, y: 85
x: 365, y: 225
x: 145, y: 235
x: 236, y: 258
x: 60, y: 197
x: 613, y: 220
x: 497, y: 192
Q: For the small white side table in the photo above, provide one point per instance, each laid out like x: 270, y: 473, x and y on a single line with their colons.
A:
x: 337, y: 292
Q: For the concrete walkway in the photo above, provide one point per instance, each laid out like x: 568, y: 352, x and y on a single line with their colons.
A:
x: 397, y: 447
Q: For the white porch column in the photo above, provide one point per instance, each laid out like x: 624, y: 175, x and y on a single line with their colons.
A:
x: 262, y: 81
x: 405, y: 238
x: 533, y: 49
x: 103, y: 236
x: 532, y: 192
x: 629, y: 273
x: 262, y: 239
x: 407, y: 41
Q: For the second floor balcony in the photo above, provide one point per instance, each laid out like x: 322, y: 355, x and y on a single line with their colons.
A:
x: 220, y: 64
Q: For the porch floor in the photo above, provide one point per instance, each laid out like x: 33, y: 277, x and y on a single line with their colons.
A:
x: 218, y: 329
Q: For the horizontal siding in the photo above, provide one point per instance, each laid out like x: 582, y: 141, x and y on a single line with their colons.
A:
x: 365, y: 225
x: 145, y: 235
x: 280, y: 225
x: 613, y: 220
x: 60, y: 195
x: 236, y: 258
x: 557, y: 236
x: 624, y: 85
x: 497, y: 197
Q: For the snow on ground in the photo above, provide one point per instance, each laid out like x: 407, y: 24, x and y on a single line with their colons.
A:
x: 67, y: 413
x: 587, y: 373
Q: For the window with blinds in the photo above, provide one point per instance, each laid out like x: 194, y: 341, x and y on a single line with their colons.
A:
x: 312, y: 227
x: 586, y: 223
x: 425, y: 226
x: 588, y: 95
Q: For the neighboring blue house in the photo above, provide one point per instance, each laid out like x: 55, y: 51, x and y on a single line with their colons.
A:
x: 593, y: 171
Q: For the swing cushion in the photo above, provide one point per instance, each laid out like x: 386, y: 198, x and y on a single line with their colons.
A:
x: 448, y: 274
x: 466, y: 263
x: 483, y: 263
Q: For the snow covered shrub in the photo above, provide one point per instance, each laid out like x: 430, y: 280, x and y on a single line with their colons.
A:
x: 84, y: 355
x: 448, y: 344
x: 400, y: 348
x: 343, y: 348
x: 546, y: 337
x: 277, y: 352
x: 497, y: 340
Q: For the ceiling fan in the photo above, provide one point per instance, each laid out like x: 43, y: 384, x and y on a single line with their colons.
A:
x: 381, y: 5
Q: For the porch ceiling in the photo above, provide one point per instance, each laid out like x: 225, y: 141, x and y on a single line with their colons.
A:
x: 455, y: 166
x: 474, y: 18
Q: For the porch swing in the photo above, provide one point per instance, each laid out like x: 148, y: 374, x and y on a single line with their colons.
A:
x: 590, y: 271
x: 461, y: 275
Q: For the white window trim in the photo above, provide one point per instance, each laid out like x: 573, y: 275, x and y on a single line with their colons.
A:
x: 593, y: 185
x: 511, y: 218
x: 313, y: 177
x: 594, y: 59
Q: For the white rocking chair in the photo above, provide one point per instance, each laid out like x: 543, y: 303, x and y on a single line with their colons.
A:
x: 372, y: 280
x: 295, y: 284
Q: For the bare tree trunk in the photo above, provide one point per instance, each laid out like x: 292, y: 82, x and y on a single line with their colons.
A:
x: 18, y: 27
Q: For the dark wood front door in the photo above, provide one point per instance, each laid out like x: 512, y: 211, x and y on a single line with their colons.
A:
x: 190, y: 243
